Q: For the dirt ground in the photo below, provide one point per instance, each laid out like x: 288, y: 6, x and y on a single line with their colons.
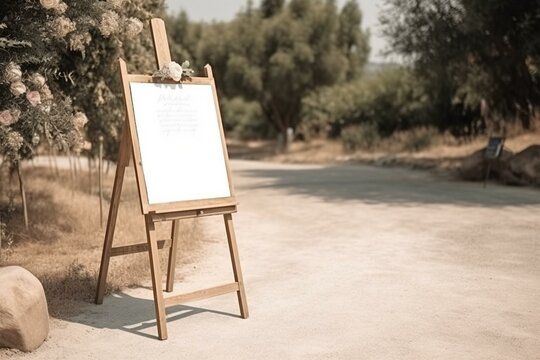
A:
x: 342, y: 262
x: 444, y: 155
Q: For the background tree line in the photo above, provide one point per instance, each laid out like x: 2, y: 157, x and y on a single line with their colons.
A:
x: 298, y: 64
x: 468, y: 67
x: 268, y: 59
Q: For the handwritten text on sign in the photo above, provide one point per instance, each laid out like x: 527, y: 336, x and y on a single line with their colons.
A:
x: 180, y: 142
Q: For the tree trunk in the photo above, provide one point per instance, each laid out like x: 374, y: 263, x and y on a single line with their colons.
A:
x: 23, y: 193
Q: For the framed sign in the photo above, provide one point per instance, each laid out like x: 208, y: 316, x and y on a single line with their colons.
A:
x: 494, y: 147
x: 179, y: 149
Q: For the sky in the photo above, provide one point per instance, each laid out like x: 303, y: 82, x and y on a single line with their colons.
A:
x: 209, y: 10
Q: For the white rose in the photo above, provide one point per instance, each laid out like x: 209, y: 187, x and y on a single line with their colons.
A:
x: 37, y: 80
x: 49, y: 4
x: 61, y: 8
x: 175, y: 71
x: 14, y: 141
x: 133, y: 27
x: 17, y: 88
x: 63, y: 26
x: 80, y: 119
x: 35, y: 139
x: 109, y: 23
x: 12, y: 73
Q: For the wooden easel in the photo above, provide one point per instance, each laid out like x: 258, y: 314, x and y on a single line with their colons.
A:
x: 171, y: 212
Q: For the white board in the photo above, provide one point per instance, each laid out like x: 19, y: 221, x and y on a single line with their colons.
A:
x: 180, y: 142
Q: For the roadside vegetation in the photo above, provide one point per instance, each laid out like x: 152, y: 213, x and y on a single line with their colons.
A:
x: 63, y: 245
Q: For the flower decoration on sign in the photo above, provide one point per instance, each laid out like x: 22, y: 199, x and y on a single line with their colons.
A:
x: 174, y: 71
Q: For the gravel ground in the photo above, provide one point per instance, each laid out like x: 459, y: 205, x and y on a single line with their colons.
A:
x: 342, y: 262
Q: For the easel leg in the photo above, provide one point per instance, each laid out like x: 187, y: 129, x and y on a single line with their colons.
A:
x: 123, y: 160
x: 237, y: 270
x: 156, y: 277
x: 172, y: 255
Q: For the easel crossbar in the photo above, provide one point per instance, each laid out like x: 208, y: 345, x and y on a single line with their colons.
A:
x: 138, y: 248
x: 178, y: 215
x: 202, y: 294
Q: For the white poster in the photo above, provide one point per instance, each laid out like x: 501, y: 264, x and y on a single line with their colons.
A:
x: 180, y: 142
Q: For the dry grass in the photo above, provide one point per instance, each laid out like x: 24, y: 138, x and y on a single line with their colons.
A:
x: 444, y: 152
x: 63, y: 245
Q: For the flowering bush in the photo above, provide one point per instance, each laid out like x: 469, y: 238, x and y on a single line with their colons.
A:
x: 48, y: 48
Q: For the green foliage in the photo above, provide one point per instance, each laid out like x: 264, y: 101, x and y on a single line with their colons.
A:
x: 95, y: 85
x: 244, y: 119
x: 184, y: 36
x: 363, y: 136
x: 270, y: 8
x: 416, y: 139
x: 353, y: 41
x: 279, y: 53
x: 471, y: 50
x: 389, y: 101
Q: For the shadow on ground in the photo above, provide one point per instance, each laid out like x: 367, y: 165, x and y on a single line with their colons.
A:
x: 134, y: 315
x: 384, y: 185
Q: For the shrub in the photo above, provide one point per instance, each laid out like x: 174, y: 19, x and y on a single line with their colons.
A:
x: 364, y: 136
x: 244, y: 119
x: 391, y: 100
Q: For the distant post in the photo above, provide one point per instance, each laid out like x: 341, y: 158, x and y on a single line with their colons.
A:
x: 493, y: 152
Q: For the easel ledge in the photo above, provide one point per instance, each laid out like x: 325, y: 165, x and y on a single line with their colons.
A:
x: 173, y: 212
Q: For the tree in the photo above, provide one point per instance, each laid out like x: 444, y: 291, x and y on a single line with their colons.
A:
x: 353, y: 41
x: 95, y: 85
x: 277, y: 57
x: 184, y: 36
x: 270, y: 8
x: 472, y: 50
x: 58, y: 64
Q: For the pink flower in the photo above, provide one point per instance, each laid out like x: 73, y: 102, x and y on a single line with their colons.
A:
x: 6, y: 118
x: 17, y: 88
x: 33, y: 98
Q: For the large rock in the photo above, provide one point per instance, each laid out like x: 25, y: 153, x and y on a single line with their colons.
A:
x: 474, y: 166
x: 526, y: 165
x: 24, y: 317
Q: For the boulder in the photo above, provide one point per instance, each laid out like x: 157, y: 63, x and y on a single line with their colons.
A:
x: 526, y: 165
x: 24, y: 317
x: 474, y: 166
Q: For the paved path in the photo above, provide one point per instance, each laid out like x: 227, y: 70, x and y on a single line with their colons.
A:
x: 344, y: 262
